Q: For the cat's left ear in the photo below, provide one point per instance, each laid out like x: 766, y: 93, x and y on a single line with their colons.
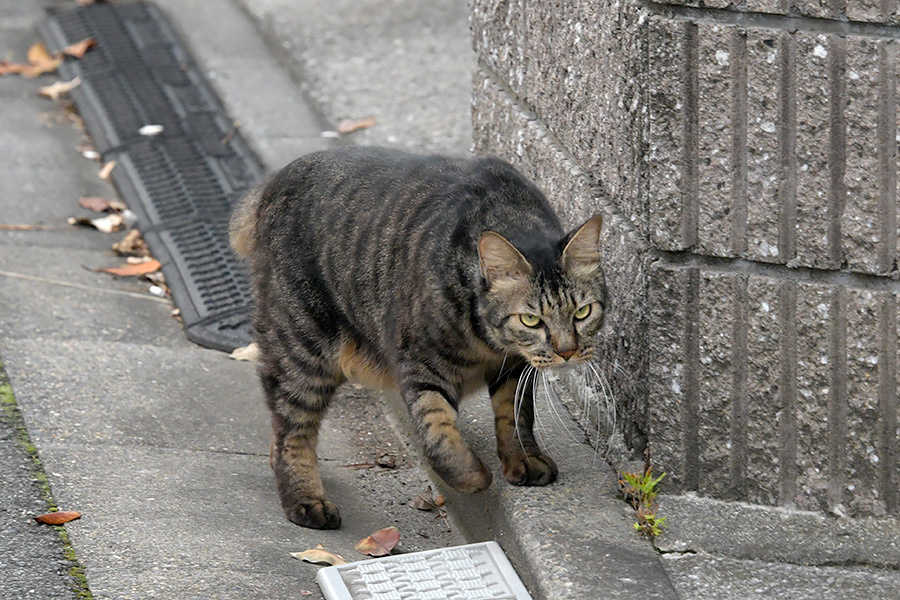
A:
x: 582, y: 253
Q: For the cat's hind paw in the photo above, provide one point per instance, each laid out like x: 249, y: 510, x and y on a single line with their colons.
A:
x: 316, y: 513
x: 530, y: 470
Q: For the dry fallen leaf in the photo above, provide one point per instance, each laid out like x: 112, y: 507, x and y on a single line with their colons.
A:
x: 58, y: 517
x: 379, y: 543
x: 351, y: 125
x: 40, y: 61
x: 11, y: 68
x: 38, y: 53
x: 106, y: 170
x: 134, y: 270
x: 132, y: 244
x: 94, y: 203
x: 107, y: 224
x: 24, y: 227
x: 249, y: 352
x: 79, y: 48
x: 427, y: 501
x: 59, y: 88
x: 320, y: 556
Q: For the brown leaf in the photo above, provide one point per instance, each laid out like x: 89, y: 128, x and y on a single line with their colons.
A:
x: 11, y: 68
x: 106, y: 170
x: 94, y: 203
x: 79, y: 48
x: 320, y: 556
x: 40, y: 61
x: 379, y: 543
x: 131, y: 245
x: 24, y: 227
x: 135, y: 270
x: 58, y: 517
x: 38, y: 54
x: 59, y: 88
x: 351, y: 125
x: 426, y: 500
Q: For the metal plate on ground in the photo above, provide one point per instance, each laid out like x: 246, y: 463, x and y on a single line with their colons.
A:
x: 183, y: 182
x: 473, y: 571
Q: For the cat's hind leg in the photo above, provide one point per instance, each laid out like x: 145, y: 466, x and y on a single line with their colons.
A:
x: 524, y: 463
x: 298, y: 401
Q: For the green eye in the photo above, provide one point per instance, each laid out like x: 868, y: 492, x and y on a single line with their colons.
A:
x: 583, y: 312
x: 529, y: 320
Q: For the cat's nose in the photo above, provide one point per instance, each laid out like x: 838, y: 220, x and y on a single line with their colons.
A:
x: 567, y: 354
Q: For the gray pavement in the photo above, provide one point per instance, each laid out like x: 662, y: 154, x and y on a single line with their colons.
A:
x: 162, y: 444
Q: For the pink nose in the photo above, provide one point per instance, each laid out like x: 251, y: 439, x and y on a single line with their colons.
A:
x: 567, y: 354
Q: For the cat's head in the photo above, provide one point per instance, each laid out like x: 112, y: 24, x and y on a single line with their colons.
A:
x: 549, y: 313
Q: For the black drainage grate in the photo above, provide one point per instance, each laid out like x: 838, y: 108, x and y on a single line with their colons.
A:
x: 181, y: 183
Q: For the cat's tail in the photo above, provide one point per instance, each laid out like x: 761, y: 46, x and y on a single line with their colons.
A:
x: 242, y: 228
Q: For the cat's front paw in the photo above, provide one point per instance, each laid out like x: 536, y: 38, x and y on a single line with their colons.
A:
x: 317, y: 513
x: 530, y: 470
x: 465, y: 473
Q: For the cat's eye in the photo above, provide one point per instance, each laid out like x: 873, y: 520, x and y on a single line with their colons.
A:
x: 529, y: 320
x: 583, y: 312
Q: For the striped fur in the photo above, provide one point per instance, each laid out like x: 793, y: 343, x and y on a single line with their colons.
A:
x: 412, y: 272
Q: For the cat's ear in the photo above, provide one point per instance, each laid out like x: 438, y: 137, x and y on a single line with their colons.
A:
x: 500, y: 259
x: 582, y: 252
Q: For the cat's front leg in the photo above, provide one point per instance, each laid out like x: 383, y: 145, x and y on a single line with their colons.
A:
x: 523, y: 461
x: 433, y: 412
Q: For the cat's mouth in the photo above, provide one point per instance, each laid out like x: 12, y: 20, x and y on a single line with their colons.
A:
x: 558, y: 361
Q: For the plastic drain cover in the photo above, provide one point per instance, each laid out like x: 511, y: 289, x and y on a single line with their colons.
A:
x: 182, y: 183
x: 474, y: 571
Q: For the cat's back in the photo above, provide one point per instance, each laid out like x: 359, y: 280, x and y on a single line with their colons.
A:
x: 381, y: 194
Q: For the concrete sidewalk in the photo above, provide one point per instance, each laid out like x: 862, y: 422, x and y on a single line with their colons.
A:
x: 162, y: 445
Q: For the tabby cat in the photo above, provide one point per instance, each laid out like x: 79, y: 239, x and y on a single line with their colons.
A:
x: 431, y: 275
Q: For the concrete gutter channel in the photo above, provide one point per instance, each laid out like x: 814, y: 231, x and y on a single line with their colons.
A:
x: 65, y: 362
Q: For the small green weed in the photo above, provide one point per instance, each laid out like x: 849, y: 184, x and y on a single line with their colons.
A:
x: 640, y: 489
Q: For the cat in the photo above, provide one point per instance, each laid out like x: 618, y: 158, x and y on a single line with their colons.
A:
x: 431, y: 275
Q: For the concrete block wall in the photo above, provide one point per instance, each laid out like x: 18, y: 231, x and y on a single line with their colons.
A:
x: 745, y: 157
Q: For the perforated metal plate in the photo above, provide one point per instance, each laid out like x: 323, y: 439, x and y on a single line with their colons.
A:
x: 182, y: 183
x: 473, y: 571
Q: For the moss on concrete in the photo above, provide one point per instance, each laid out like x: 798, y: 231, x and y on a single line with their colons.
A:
x: 12, y: 417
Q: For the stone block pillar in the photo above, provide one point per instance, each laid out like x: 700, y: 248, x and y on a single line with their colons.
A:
x: 744, y: 155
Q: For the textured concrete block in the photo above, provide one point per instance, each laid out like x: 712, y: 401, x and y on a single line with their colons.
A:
x: 866, y: 327
x: 670, y: 414
x: 721, y: 397
x: 766, y: 6
x: 671, y: 97
x: 816, y: 320
x: 721, y: 94
x: 819, y: 9
x: 766, y: 357
x: 769, y: 196
x: 867, y: 10
x: 869, y: 218
x: 499, y: 38
x: 819, y: 156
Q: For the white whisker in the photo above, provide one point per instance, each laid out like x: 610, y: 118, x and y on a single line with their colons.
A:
x: 609, y: 405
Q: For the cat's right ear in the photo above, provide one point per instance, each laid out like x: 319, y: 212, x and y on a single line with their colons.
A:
x: 500, y: 259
